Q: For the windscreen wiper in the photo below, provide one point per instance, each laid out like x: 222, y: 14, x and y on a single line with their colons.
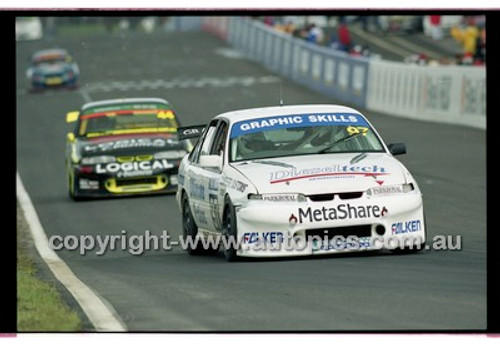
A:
x: 273, y: 163
x: 348, y: 137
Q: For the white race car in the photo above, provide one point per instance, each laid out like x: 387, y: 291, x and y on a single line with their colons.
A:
x: 296, y: 180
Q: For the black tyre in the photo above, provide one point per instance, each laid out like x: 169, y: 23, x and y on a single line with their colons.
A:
x: 72, y: 187
x: 189, y: 228
x: 229, y: 226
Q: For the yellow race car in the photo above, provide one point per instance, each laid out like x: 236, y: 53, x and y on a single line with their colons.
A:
x: 123, y: 147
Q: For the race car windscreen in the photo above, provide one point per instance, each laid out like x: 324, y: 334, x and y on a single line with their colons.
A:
x: 134, y: 118
x: 282, y: 136
x: 50, y: 60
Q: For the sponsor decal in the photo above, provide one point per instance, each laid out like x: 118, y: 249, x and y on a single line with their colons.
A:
x: 406, y: 227
x: 130, y: 143
x: 171, y: 154
x: 294, y: 121
x: 87, y: 184
x: 280, y: 197
x: 329, y: 171
x: 159, y: 113
x: 174, y: 180
x: 263, y: 237
x: 190, y: 132
x: 340, y: 212
x: 341, y: 243
x: 51, y: 56
x: 53, y: 80
x: 235, y: 184
x: 385, y: 190
x: 125, y: 107
x: 213, y: 201
x: 138, y: 173
x: 199, y: 214
x: 181, y: 178
x: 384, y: 211
x: 213, y: 184
x: 196, y: 189
x: 133, y: 168
x: 222, y: 189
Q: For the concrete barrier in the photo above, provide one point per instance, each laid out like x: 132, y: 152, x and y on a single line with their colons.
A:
x: 183, y: 24
x: 446, y: 94
x: 333, y: 73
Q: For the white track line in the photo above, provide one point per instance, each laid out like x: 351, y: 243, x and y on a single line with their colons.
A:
x: 85, y: 95
x: 96, y: 310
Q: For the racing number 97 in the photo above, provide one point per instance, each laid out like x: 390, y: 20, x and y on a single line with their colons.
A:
x: 356, y: 130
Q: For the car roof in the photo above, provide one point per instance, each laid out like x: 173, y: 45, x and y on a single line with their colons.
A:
x: 270, y: 111
x: 123, y: 101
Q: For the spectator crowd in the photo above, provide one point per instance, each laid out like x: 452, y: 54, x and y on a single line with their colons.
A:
x: 467, y: 32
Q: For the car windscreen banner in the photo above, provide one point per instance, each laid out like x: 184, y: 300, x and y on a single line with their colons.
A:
x: 296, y: 121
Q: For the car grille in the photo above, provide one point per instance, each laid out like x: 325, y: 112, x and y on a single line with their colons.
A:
x: 331, y: 196
x: 361, y: 231
x: 123, y: 159
x: 136, y: 181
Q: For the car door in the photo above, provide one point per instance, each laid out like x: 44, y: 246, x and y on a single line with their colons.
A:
x: 214, y: 176
x: 203, y: 187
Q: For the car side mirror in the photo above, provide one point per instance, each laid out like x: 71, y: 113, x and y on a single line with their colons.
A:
x: 211, y: 161
x: 72, y: 116
x: 397, y: 148
x: 70, y: 137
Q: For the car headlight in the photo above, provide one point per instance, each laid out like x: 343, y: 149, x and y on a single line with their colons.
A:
x: 278, y: 197
x: 97, y: 159
x: 170, y: 154
x: 388, y: 190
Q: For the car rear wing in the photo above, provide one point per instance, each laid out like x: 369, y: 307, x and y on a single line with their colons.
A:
x: 190, y: 132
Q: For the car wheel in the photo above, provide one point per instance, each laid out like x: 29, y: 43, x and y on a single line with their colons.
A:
x: 36, y: 88
x: 72, y: 85
x: 189, y: 229
x: 71, y: 187
x: 229, y: 233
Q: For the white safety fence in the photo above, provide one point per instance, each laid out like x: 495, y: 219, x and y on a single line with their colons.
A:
x: 445, y: 94
x: 448, y: 94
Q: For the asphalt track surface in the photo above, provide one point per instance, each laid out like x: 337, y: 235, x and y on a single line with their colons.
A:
x: 171, y: 291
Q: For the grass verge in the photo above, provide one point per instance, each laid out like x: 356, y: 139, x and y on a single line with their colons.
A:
x: 40, y: 307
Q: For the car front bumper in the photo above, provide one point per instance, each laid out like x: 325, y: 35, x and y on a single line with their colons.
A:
x: 54, y: 81
x: 267, y: 229
x: 97, y: 185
